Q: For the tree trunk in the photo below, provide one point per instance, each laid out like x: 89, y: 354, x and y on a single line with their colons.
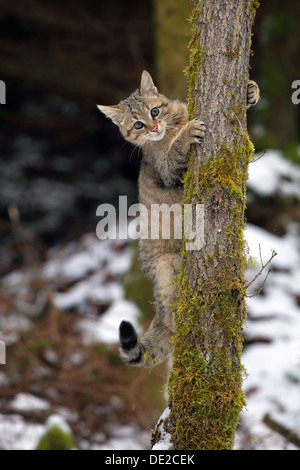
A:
x: 277, y: 34
x: 205, y: 382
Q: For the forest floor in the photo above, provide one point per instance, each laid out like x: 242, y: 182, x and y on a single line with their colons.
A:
x: 60, y: 313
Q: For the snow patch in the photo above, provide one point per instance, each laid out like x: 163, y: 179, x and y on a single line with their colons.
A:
x: 57, y: 421
x: 28, y: 402
x: 273, y: 174
x: 164, y: 442
x: 106, y: 328
x: 17, y: 434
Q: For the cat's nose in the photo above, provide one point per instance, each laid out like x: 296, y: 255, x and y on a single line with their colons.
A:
x: 154, y: 129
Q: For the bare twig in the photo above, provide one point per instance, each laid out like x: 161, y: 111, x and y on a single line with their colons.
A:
x: 289, y: 434
x: 260, y: 156
x: 261, y: 287
x: 263, y: 266
x: 26, y: 242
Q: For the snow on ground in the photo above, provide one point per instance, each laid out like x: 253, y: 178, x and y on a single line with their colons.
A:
x: 17, y: 434
x: 272, y: 174
x: 95, y: 272
x: 106, y: 263
x: 127, y: 437
x: 164, y: 442
x: 26, y: 401
x: 106, y: 329
x: 87, y: 276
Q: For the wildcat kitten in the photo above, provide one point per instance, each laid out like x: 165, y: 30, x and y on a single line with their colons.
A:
x: 160, y: 126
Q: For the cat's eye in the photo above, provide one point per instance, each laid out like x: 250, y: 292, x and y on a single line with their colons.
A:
x: 138, y: 125
x: 154, y: 112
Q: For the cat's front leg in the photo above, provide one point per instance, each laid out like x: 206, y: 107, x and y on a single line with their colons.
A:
x: 193, y: 132
x: 252, y: 93
x: 172, y: 167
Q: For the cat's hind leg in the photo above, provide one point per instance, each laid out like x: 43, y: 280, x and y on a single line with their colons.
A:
x: 154, y: 347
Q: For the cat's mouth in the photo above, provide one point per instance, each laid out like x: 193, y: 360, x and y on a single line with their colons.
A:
x: 157, y: 132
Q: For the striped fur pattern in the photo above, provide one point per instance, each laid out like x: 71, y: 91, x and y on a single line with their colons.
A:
x: 160, y: 127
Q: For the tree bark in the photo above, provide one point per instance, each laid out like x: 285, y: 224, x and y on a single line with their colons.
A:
x: 205, y: 381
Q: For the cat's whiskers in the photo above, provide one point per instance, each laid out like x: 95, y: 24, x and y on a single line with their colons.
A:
x: 170, y: 121
x: 136, y: 145
x: 139, y: 145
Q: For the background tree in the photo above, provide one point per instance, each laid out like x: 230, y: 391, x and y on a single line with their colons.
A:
x: 276, y: 43
x: 171, y: 31
x: 205, y: 385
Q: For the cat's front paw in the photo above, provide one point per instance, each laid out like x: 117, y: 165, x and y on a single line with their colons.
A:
x: 196, y: 131
x: 252, y: 93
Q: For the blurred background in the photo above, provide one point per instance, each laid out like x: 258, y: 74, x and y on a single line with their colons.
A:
x: 62, y: 291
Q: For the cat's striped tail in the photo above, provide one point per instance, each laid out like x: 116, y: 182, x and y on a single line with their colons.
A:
x: 144, y: 353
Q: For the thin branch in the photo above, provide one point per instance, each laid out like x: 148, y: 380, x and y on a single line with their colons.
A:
x: 261, y: 287
x: 263, y: 266
x: 260, y: 256
x: 260, y: 156
x: 289, y: 434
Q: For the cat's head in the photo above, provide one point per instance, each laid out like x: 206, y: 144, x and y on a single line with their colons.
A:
x: 144, y: 116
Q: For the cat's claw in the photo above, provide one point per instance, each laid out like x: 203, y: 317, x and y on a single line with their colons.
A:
x: 197, y: 131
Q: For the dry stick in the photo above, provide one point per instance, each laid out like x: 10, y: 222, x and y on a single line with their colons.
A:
x: 258, y: 158
x: 289, y: 434
x: 263, y: 266
x: 25, y: 238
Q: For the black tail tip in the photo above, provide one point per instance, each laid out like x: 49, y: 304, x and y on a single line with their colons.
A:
x: 128, y: 336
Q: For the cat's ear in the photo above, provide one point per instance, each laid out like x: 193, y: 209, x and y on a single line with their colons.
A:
x: 147, y: 86
x: 115, y: 113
